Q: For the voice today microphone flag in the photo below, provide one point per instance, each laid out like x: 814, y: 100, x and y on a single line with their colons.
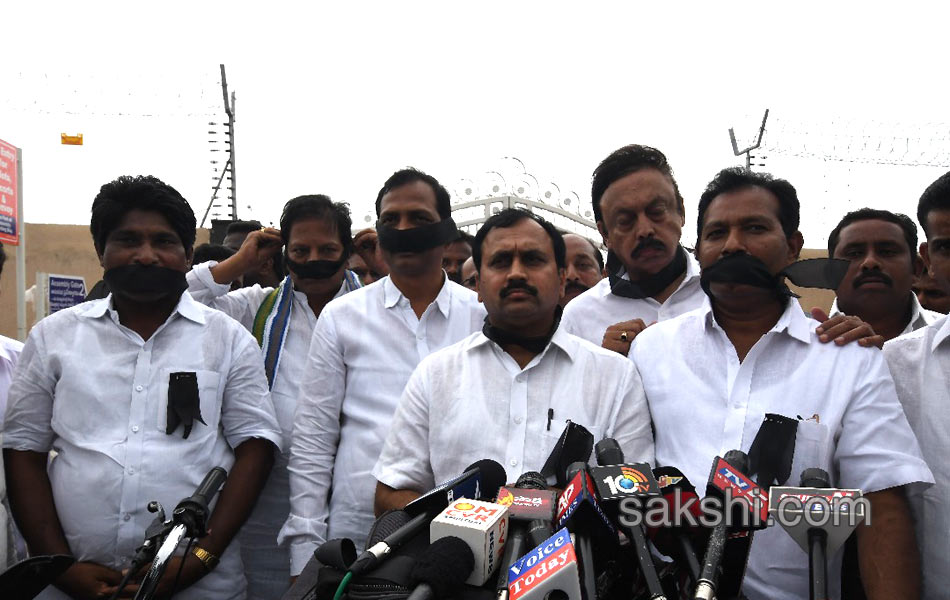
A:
x: 550, y: 566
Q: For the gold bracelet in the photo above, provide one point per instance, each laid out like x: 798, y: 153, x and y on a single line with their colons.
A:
x: 210, y: 561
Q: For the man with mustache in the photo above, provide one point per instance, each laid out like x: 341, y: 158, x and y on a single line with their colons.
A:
x: 364, y: 347
x: 712, y: 375
x: 920, y: 364
x: 505, y: 392
x: 882, y: 248
x: 315, y: 238
x: 585, y: 266
x: 141, y: 394
x: 650, y: 276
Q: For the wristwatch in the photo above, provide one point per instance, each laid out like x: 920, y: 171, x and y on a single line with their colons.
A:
x: 210, y: 561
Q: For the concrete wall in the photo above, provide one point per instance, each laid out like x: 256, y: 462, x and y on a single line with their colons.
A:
x: 61, y: 249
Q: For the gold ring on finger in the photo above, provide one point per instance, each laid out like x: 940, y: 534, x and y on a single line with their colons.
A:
x: 623, y: 336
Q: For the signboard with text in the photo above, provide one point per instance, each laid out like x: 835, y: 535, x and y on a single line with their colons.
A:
x: 8, y: 195
x: 64, y: 291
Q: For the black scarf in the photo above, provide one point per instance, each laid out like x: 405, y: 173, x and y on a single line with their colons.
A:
x: 649, y: 286
x: 535, y: 344
x: 744, y: 268
x: 142, y: 279
x: 314, y: 269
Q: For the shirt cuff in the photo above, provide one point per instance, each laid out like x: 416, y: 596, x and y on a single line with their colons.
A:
x: 202, y: 272
x: 302, y: 536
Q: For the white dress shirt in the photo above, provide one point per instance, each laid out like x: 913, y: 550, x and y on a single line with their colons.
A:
x: 365, y: 346
x: 472, y: 401
x: 705, y: 402
x: 94, y: 391
x: 920, y: 364
x: 9, y: 353
x: 919, y: 316
x: 590, y: 314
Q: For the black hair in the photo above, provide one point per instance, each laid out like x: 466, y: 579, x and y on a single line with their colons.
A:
x: 464, y: 236
x: 738, y: 178
x: 142, y: 192
x: 867, y: 214
x: 206, y: 252
x: 242, y: 227
x: 623, y: 162
x: 318, y: 206
x: 935, y: 197
x: 510, y: 217
x: 443, y: 203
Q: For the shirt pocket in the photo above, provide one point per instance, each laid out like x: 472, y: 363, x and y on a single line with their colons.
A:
x: 209, y: 397
x: 810, y: 444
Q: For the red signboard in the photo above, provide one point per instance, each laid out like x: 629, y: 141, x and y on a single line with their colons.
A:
x: 8, y: 195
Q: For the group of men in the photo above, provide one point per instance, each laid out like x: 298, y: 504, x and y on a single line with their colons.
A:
x: 365, y: 369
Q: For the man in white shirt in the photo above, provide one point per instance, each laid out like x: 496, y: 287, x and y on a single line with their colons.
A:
x: 712, y: 375
x: 650, y: 276
x: 315, y: 233
x: 920, y: 364
x: 9, y: 353
x: 505, y: 392
x: 365, y: 346
x: 882, y: 248
x: 585, y: 266
x: 140, y: 394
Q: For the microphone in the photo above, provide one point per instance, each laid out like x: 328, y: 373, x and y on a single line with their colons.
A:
x: 481, y: 525
x: 579, y: 511
x: 530, y: 512
x: 548, y: 572
x: 441, y: 569
x: 626, y: 487
x: 677, y: 491
x: 743, y: 503
x: 574, y: 445
x: 193, y: 511
x: 485, y: 475
x: 819, y: 518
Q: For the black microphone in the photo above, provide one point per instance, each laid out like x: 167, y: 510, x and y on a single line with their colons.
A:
x: 616, y: 482
x: 727, y: 480
x: 530, y: 512
x: 817, y: 539
x: 483, y: 476
x: 193, y: 511
x: 441, y: 569
x: 677, y: 491
x: 579, y: 510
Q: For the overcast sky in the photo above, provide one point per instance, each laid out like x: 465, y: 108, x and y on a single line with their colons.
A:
x: 333, y: 97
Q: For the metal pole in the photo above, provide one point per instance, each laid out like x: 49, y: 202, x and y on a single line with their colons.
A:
x: 20, y: 252
x: 234, y: 202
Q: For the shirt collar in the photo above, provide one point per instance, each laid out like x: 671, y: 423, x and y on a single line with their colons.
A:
x: 392, y: 295
x: 942, y: 333
x: 186, y: 307
x: 792, y: 321
x: 561, y: 338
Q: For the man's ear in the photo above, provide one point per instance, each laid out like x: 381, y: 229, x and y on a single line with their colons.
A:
x: 189, y: 256
x: 562, y: 275
x: 795, y: 244
x: 917, y: 265
x: 925, y: 257
x: 478, y: 285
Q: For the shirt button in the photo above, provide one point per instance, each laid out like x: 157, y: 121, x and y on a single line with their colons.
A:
x: 126, y: 517
x: 513, y: 462
x: 139, y: 388
x: 518, y: 420
x: 135, y: 429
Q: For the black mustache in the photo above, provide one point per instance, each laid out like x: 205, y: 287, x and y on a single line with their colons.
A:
x: 576, y: 285
x: 518, y: 285
x: 872, y: 276
x: 647, y: 243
